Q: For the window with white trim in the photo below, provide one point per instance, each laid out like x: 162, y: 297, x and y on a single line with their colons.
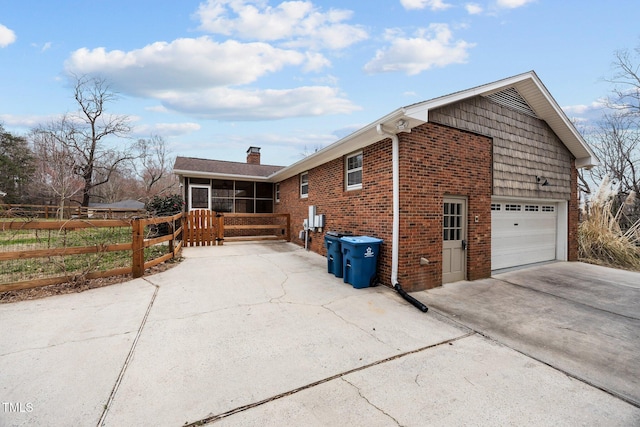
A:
x: 304, y: 184
x: 513, y: 208
x: 353, y: 173
x: 277, y: 191
x: 548, y: 209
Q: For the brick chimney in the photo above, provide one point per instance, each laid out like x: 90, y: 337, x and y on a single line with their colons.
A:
x: 253, y: 155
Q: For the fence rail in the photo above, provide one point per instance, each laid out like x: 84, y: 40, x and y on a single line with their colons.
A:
x: 52, y: 243
x: 142, y: 235
x: 207, y: 228
x: 66, y: 212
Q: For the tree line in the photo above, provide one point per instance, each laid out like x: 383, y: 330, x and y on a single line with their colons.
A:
x: 84, y: 157
x: 88, y: 156
x: 615, y: 138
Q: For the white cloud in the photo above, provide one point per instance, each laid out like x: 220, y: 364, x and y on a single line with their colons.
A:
x: 316, y: 62
x: 430, y: 47
x: 166, y: 129
x: 27, y: 121
x: 422, y: 4
x: 294, y: 23
x: 259, y: 104
x: 204, y: 78
x: 598, y: 105
x: 184, y: 64
x: 513, y: 4
x: 7, y: 36
x: 473, y: 8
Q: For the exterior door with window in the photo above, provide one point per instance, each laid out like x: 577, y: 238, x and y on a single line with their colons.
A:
x: 199, y: 197
x: 454, y: 245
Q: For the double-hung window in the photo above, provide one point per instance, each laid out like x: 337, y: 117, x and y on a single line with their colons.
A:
x: 353, y: 173
x: 304, y: 184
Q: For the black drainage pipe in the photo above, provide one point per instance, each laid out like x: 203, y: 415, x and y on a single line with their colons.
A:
x: 417, y: 304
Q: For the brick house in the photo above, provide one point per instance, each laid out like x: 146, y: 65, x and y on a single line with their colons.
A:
x: 457, y: 186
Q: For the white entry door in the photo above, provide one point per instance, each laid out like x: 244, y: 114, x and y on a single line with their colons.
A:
x: 454, y: 234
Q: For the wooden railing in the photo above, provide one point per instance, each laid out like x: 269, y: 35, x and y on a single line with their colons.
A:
x: 238, y: 226
x: 139, y: 241
x: 207, y: 228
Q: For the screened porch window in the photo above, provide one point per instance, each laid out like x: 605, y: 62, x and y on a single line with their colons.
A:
x: 241, y: 196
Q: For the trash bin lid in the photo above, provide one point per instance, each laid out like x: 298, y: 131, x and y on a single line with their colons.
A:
x: 338, y: 234
x: 360, y: 240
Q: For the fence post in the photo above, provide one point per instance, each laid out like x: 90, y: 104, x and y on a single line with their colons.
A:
x: 288, y: 232
x: 137, y: 243
x: 172, y: 231
x: 220, y: 229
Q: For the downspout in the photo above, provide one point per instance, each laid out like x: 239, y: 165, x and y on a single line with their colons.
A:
x: 395, y: 238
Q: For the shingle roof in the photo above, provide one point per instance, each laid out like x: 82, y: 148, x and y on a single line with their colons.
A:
x: 192, y: 165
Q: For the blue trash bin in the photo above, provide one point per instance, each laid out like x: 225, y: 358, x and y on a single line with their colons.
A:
x: 359, y: 260
x: 334, y: 253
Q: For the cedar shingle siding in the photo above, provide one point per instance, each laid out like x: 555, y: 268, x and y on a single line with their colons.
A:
x: 523, y: 147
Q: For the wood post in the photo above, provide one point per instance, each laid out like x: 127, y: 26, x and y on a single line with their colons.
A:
x: 220, y: 229
x: 137, y: 265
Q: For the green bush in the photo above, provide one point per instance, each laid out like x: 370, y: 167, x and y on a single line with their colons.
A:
x: 165, y: 205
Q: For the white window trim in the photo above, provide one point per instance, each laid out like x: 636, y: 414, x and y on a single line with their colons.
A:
x: 346, y: 172
x: 304, y: 196
x: 208, y: 187
x: 276, y: 190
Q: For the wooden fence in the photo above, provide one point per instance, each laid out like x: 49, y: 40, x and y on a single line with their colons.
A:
x: 195, y: 228
x: 207, y: 228
x: 139, y: 241
x: 68, y: 212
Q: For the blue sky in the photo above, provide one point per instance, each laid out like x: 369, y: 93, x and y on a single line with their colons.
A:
x: 214, y: 77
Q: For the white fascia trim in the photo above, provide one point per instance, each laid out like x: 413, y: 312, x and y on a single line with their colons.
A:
x: 361, y: 138
x: 209, y: 175
x: 585, y: 157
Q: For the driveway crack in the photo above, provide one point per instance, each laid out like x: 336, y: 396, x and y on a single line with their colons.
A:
x: 355, y: 325
x: 214, y: 418
x: 369, y: 402
x: 127, y: 361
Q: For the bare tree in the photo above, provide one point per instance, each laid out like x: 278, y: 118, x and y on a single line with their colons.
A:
x: 87, y: 133
x: 54, y: 170
x: 618, y: 147
x: 153, y: 166
x: 616, y: 141
x: 626, y: 81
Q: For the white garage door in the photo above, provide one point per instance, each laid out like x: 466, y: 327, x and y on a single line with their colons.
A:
x: 522, y: 233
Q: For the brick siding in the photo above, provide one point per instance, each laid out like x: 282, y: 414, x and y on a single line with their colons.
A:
x: 435, y: 161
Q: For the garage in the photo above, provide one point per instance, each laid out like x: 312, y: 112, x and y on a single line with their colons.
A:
x: 523, y: 232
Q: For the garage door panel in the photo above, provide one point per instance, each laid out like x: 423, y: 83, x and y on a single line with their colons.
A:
x: 520, y: 236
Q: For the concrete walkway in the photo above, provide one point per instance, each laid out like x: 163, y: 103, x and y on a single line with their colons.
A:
x: 260, y: 334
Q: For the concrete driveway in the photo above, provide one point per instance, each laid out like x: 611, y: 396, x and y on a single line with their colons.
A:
x: 260, y: 334
x: 582, y: 319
